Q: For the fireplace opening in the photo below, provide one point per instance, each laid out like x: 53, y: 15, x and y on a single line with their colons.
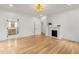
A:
x: 54, y: 33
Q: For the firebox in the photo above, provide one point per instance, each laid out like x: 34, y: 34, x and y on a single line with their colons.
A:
x: 54, y: 33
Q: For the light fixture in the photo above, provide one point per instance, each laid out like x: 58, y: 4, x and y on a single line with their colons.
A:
x: 39, y: 7
x: 9, y: 24
x: 11, y: 5
x: 16, y: 24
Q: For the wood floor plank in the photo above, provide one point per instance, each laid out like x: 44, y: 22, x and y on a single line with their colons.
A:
x: 39, y: 44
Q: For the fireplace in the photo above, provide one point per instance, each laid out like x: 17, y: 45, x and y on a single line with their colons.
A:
x: 54, y: 33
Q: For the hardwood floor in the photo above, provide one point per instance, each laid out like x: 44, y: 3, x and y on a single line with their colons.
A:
x: 39, y: 44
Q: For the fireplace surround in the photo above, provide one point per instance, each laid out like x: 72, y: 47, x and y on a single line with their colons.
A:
x: 54, y: 32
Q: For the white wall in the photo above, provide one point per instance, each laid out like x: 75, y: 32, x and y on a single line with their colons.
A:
x: 25, y: 24
x: 69, y: 22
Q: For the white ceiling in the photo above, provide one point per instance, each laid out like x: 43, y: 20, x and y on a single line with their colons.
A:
x: 50, y: 9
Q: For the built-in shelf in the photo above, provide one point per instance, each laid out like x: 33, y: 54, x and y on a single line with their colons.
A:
x: 12, y: 28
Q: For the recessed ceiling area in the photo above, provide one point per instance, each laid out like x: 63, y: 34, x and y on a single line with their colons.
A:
x: 29, y: 9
